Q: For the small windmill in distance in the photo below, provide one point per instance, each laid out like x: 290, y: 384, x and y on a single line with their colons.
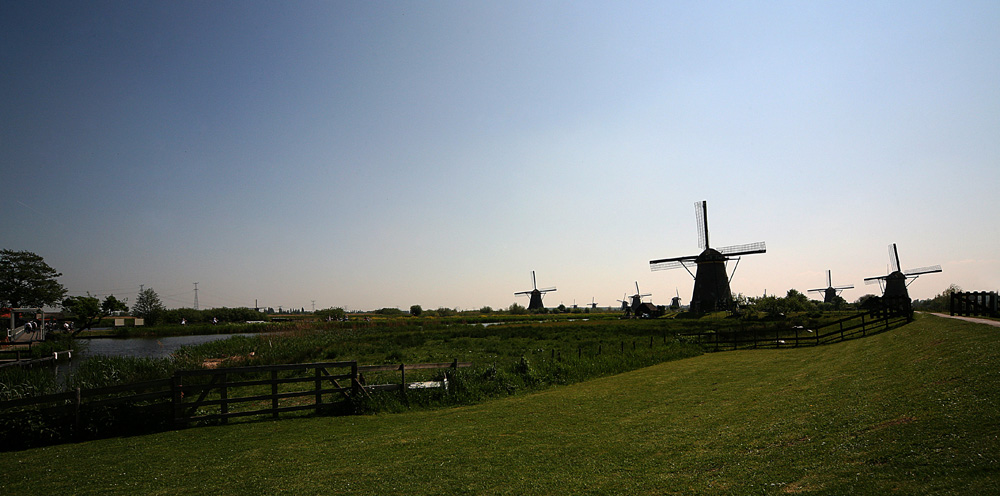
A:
x: 711, y: 284
x: 593, y: 303
x: 895, y: 282
x: 535, y: 303
x: 625, y: 305
x: 637, y: 299
x: 675, y: 302
x: 830, y: 292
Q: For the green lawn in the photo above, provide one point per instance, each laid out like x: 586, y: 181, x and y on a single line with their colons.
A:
x: 913, y: 411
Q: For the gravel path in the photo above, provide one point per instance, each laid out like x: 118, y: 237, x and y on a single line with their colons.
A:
x: 995, y: 323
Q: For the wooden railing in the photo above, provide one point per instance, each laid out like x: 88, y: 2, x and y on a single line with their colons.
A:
x: 976, y: 303
x: 221, y: 394
x: 780, y: 335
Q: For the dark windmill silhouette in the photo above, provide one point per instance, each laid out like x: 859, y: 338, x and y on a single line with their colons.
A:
x: 535, y: 303
x: 894, y: 284
x: 637, y: 299
x: 831, y: 292
x: 593, y: 303
x: 711, y: 284
x: 625, y: 305
x: 675, y: 302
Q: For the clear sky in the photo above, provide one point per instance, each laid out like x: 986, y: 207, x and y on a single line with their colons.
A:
x: 385, y: 154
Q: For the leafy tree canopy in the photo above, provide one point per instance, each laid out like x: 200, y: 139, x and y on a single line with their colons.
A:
x: 88, y: 310
x: 331, y: 313
x: 27, y: 281
x: 148, y: 306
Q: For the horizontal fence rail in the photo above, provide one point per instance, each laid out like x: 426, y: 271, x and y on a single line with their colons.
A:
x: 782, y: 336
x: 192, y: 396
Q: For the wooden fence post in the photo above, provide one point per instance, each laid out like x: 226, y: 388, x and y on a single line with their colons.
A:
x: 176, y: 387
x: 319, y: 388
x: 355, y: 379
x: 402, y: 377
x: 274, y: 392
x: 224, y: 396
x: 76, y: 412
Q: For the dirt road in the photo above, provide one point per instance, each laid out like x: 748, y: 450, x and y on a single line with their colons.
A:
x: 995, y: 323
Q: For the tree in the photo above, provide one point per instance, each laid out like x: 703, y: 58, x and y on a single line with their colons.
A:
x: 88, y: 310
x: 797, y: 302
x: 416, y: 310
x: 148, y: 306
x: 27, y: 281
x: 331, y: 314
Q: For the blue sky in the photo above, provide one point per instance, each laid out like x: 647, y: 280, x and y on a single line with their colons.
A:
x: 385, y: 154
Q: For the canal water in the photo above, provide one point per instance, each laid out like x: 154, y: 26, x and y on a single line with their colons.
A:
x: 146, y: 347
x: 132, y: 347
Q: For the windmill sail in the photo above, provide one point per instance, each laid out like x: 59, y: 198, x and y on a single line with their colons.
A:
x: 747, y: 249
x: 893, y: 258
x: 701, y: 218
x: 922, y: 270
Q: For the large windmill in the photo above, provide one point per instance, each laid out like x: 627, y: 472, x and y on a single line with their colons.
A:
x: 894, y: 287
x: 711, y: 284
x: 830, y: 292
x: 535, y: 303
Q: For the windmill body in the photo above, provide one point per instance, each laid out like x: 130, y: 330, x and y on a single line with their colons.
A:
x: 830, y: 292
x: 895, y: 283
x: 711, y: 281
x: 535, y: 295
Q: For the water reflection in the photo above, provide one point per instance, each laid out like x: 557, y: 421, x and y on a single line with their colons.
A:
x: 133, y: 347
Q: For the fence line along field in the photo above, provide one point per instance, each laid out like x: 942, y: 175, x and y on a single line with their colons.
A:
x: 910, y: 411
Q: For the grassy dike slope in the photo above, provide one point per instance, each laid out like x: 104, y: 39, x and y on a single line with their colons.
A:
x: 915, y: 410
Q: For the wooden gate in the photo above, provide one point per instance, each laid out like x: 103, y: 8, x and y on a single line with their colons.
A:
x: 977, y: 303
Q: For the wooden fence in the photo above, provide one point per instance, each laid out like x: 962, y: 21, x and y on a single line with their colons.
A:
x: 221, y: 394
x: 977, y: 303
x: 780, y: 335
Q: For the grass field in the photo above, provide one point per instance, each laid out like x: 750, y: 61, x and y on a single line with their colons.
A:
x: 912, y: 411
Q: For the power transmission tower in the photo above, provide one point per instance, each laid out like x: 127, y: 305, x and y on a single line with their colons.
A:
x: 195, y: 296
